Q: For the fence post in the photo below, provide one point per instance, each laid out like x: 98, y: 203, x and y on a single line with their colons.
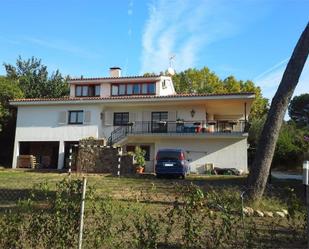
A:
x: 119, y: 160
x: 81, y: 219
x: 306, y: 184
x: 70, y: 159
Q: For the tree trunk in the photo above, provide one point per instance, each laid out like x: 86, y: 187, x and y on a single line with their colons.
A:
x: 259, y: 172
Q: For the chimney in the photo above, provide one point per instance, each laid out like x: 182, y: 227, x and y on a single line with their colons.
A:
x: 115, y: 72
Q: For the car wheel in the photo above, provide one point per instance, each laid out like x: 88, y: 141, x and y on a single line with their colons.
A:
x: 159, y: 176
x: 183, y: 176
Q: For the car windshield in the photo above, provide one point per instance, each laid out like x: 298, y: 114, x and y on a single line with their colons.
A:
x: 168, y: 155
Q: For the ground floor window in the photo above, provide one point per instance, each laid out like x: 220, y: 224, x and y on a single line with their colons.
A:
x: 146, y: 148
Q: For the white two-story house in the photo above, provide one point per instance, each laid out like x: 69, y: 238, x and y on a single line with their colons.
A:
x: 138, y: 110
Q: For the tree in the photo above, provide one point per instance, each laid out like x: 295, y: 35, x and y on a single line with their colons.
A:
x: 290, y: 146
x: 9, y: 89
x: 34, y: 80
x: 299, y: 110
x: 260, y: 169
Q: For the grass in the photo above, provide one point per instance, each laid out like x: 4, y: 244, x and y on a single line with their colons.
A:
x: 22, y: 181
x: 156, y: 196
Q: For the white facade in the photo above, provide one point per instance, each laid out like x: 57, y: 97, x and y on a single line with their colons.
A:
x: 47, y: 120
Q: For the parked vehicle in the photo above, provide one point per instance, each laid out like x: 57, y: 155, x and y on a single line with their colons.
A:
x: 172, y: 162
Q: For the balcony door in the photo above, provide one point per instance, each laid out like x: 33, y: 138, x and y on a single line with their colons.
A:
x: 159, y: 122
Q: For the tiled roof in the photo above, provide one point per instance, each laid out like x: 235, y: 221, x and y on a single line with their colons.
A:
x: 183, y: 95
x: 115, y: 78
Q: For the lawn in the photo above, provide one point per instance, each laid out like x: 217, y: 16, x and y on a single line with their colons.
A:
x: 140, y: 211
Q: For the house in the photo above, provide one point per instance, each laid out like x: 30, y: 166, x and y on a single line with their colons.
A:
x: 131, y: 111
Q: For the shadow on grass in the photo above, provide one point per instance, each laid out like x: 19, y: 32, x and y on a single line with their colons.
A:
x: 11, y: 197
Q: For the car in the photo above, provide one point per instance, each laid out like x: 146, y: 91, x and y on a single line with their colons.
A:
x: 172, y: 162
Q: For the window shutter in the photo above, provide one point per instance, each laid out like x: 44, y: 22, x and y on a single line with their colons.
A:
x: 62, y: 117
x: 172, y: 116
x: 146, y: 116
x: 132, y: 116
x: 87, y: 117
x: 108, y: 118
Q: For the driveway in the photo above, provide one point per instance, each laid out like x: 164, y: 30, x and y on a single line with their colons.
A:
x: 286, y: 175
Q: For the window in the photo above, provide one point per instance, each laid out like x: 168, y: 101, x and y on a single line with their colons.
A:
x: 129, y: 89
x: 144, y: 88
x: 114, y: 90
x: 163, y: 84
x: 87, y: 91
x: 97, y: 90
x: 84, y: 91
x: 152, y: 88
x: 133, y: 89
x: 136, y: 89
x: 76, y: 117
x: 122, y: 89
x: 121, y: 118
x: 146, y: 148
x: 78, y: 91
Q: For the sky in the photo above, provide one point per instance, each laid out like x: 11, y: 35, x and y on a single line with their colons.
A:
x: 250, y: 39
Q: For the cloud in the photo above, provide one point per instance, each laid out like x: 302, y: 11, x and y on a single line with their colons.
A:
x: 62, y: 46
x: 130, y: 8
x: 183, y: 28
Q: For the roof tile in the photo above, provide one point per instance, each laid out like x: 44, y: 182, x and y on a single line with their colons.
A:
x: 132, y: 97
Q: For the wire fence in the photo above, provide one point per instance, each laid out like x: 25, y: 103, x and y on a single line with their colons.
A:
x: 132, y: 213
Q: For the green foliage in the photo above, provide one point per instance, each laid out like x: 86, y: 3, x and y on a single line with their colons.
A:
x: 9, y: 89
x: 299, y: 110
x: 205, y: 81
x: 189, y: 218
x: 139, y: 156
x: 290, y: 146
x: 52, y: 225
x: 34, y: 80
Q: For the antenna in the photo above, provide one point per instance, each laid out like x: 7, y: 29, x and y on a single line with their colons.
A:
x: 170, y: 70
x: 171, y: 58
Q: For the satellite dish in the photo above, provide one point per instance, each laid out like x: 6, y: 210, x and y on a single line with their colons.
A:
x: 171, y: 71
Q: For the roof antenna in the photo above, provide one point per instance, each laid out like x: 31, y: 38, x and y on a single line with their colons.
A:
x: 170, y: 70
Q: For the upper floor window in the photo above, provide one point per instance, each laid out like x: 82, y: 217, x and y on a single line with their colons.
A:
x: 87, y: 90
x: 133, y: 89
x: 76, y: 117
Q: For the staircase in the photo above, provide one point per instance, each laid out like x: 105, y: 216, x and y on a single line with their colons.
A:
x: 117, y: 135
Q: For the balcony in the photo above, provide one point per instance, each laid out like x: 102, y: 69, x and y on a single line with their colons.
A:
x: 211, y: 127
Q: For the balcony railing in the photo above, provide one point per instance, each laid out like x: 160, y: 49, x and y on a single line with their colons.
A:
x: 193, y: 127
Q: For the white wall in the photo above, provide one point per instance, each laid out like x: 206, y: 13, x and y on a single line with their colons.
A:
x: 168, y: 89
x: 105, y: 90
x: 41, y: 123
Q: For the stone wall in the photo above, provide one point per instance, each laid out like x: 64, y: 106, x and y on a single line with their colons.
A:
x: 92, y: 157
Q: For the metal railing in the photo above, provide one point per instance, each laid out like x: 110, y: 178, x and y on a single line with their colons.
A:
x: 146, y: 127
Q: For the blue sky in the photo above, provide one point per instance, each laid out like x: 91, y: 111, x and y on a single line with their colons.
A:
x: 251, y: 39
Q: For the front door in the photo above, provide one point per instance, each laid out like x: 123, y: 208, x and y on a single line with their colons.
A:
x: 159, y: 122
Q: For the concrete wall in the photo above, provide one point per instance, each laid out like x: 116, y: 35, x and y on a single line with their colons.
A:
x: 223, y: 153
x: 167, y: 88
x: 41, y: 123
